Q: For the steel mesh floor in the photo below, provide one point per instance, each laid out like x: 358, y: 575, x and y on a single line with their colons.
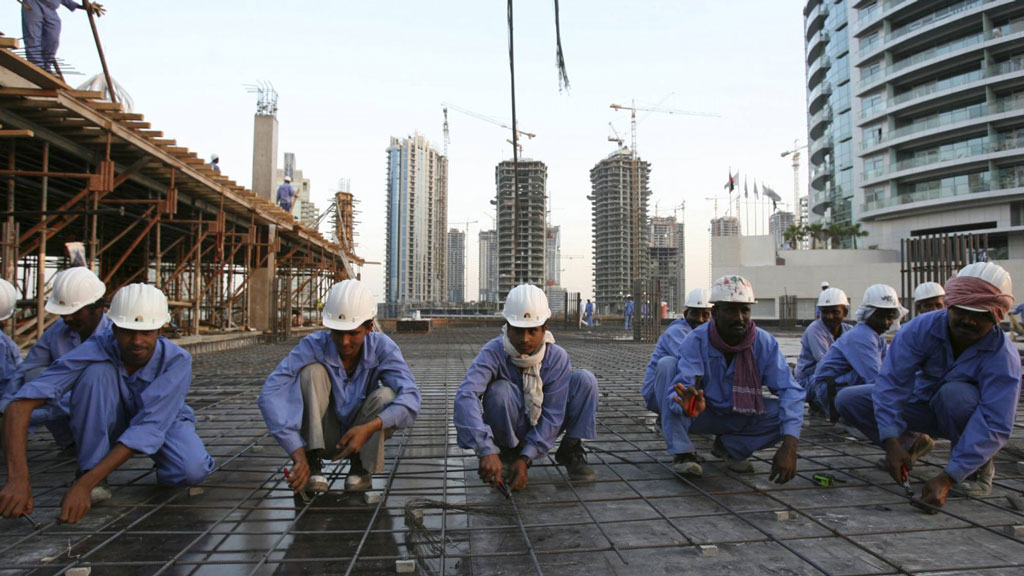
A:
x: 429, y: 506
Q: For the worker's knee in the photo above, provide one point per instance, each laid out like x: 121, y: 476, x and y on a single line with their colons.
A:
x: 501, y: 395
x: 956, y: 399
x: 583, y: 386
x: 97, y: 387
x: 379, y: 398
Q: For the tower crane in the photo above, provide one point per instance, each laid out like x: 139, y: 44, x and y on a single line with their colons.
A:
x: 795, y: 152
x: 614, y: 136
x: 488, y: 119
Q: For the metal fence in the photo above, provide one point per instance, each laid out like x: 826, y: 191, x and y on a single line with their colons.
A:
x: 936, y: 258
x: 647, y: 311
x: 571, y: 317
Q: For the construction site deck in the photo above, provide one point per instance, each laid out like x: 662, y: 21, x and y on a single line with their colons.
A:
x: 430, y: 513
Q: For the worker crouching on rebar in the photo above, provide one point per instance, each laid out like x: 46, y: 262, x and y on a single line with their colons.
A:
x: 521, y: 393
x: 340, y: 393
x: 717, y: 390
x: 10, y: 356
x: 128, y: 388
x: 950, y: 373
x: 662, y: 366
x: 78, y: 297
x: 820, y: 335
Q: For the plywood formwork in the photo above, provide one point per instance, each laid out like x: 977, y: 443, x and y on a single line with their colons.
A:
x: 74, y: 167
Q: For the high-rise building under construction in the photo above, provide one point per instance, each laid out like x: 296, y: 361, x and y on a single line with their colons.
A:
x: 668, y: 249
x: 620, y: 234
x: 488, y: 266
x: 417, y: 224
x: 521, y: 224
x: 456, y: 265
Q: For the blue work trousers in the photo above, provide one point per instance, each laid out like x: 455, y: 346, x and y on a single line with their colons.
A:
x: 99, y: 417
x: 504, y: 412
x: 741, y: 434
x: 40, y: 29
x: 663, y: 375
x: 944, y: 416
x: 54, y: 416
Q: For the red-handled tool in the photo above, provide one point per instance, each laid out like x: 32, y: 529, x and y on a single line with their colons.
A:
x: 691, y: 405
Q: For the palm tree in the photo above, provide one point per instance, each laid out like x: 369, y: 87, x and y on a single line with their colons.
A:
x: 816, y: 231
x: 855, y: 232
x: 794, y: 235
x: 835, y: 233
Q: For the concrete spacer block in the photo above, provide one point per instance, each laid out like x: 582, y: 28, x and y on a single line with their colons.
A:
x: 1015, y: 502
x: 372, y: 497
x: 79, y: 571
x: 405, y: 566
x: 1016, y: 531
x: 1020, y: 467
x: 781, y: 515
x: 707, y: 550
x: 257, y: 449
x: 195, y: 491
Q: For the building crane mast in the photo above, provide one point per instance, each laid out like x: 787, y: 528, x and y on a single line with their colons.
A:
x: 795, y: 152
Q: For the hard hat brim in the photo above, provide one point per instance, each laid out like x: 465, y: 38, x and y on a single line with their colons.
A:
x: 140, y: 326
x: 344, y: 325
x: 61, y: 310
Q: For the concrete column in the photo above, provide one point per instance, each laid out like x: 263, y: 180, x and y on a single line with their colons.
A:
x: 262, y: 305
x: 264, y: 156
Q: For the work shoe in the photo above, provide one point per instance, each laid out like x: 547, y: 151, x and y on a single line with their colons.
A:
x: 922, y: 445
x: 358, y: 478
x: 687, y: 464
x: 743, y: 466
x: 317, y: 481
x: 978, y: 484
x: 100, y: 493
x: 571, y: 455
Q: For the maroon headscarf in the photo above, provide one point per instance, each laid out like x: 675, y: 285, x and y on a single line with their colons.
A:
x: 746, y: 381
x: 971, y: 292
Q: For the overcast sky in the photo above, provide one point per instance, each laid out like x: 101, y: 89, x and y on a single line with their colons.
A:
x: 352, y: 74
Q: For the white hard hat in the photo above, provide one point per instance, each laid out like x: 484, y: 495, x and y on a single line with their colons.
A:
x: 926, y: 290
x: 74, y: 289
x: 139, y: 307
x: 833, y: 297
x: 994, y: 274
x: 349, y: 304
x: 526, y: 306
x: 698, y: 298
x: 824, y: 284
x: 732, y: 288
x: 214, y: 157
x: 287, y: 178
x: 881, y: 296
x: 8, y: 298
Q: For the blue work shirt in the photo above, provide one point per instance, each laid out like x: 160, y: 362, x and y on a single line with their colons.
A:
x: 492, y: 363
x: 153, y: 396
x: 380, y: 363
x: 854, y: 359
x: 57, y: 341
x: 920, y: 361
x: 698, y: 356
x: 10, y: 358
x: 54, y: 4
x: 285, y: 193
x: 815, y: 342
x: 1019, y: 310
x: 668, y: 344
x: 629, y: 308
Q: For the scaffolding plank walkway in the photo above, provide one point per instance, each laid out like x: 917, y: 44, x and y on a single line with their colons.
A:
x: 638, y: 518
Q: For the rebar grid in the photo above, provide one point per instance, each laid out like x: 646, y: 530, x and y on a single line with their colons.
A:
x: 638, y: 517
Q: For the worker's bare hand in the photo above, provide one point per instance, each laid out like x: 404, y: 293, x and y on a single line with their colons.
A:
x: 684, y: 395
x: 300, y: 471
x: 16, y: 499
x: 95, y: 8
x: 784, y: 462
x: 897, y: 459
x: 936, y: 489
x: 76, y: 502
x: 517, y: 475
x: 490, y: 469
x: 353, y: 439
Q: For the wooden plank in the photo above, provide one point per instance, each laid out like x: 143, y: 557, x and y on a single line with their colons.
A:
x: 165, y: 142
x: 16, y: 134
x: 129, y: 116
x: 8, y: 42
x: 148, y: 133
x: 34, y: 92
x: 29, y: 71
x: 104, y: 105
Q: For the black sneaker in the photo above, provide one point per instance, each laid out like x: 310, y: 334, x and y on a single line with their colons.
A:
x: 571, y: 455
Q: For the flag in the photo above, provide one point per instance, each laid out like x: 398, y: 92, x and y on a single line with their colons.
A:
x: 731, y: 184
x: 769, y: 193
x: 746, y: 191
x: 755, y: 188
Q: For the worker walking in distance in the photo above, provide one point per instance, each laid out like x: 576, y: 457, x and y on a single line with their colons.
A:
x: 128, y: 388
x: 520, y: 393
x: 78, y: 298
x: 717, y: 390
x: 340, y: 393
x: 628, y: 311
x: 833, y: 308
x: 662, y: 366
x: 949, y: 373
x: 286, y: 195
x: 588, y: 313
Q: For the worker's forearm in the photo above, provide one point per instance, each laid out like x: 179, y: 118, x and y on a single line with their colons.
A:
x: 117, y: 456
x: 16, y: 421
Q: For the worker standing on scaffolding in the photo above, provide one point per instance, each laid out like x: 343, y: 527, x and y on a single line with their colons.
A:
x: 128, y: 396
x: 78, y: 298
x: 662, y: 366
x: 340, y: 393
x: 10, y: 356
x: 950, y: 373
x: 717, y: 390
x: 40, y: 28
x: 286, y: 195
x: 529, y: 394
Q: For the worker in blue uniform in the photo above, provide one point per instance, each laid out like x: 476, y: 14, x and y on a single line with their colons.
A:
x: 856, y: 358
x: 733, y: 358
x: 662, y: 366
x: 928, y: 297
x: 10, y: 356
x: 340, y: 393
x: 214, y: 162
x: 128, y: 388
x: 833, y: 308
x: 78, y: 297
x: 628, y: 311
x: 588, y: 313
x: 950, y: 373
x: 40, y: 28
x: 520, y: 393
x: 286, y: 195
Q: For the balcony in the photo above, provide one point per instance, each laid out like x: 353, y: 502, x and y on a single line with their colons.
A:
x: 816, y: 73
x: 820, y: 175
x: 816, y: 19
x: 962, y: 116
x: 1006, y: 179
x: 873, y: 15
x: 937, y: 16
x: 973, y: 152
x: 819, y: 122
x: 819, y: 96
x: 816, y: 45
x: 819, y: 148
